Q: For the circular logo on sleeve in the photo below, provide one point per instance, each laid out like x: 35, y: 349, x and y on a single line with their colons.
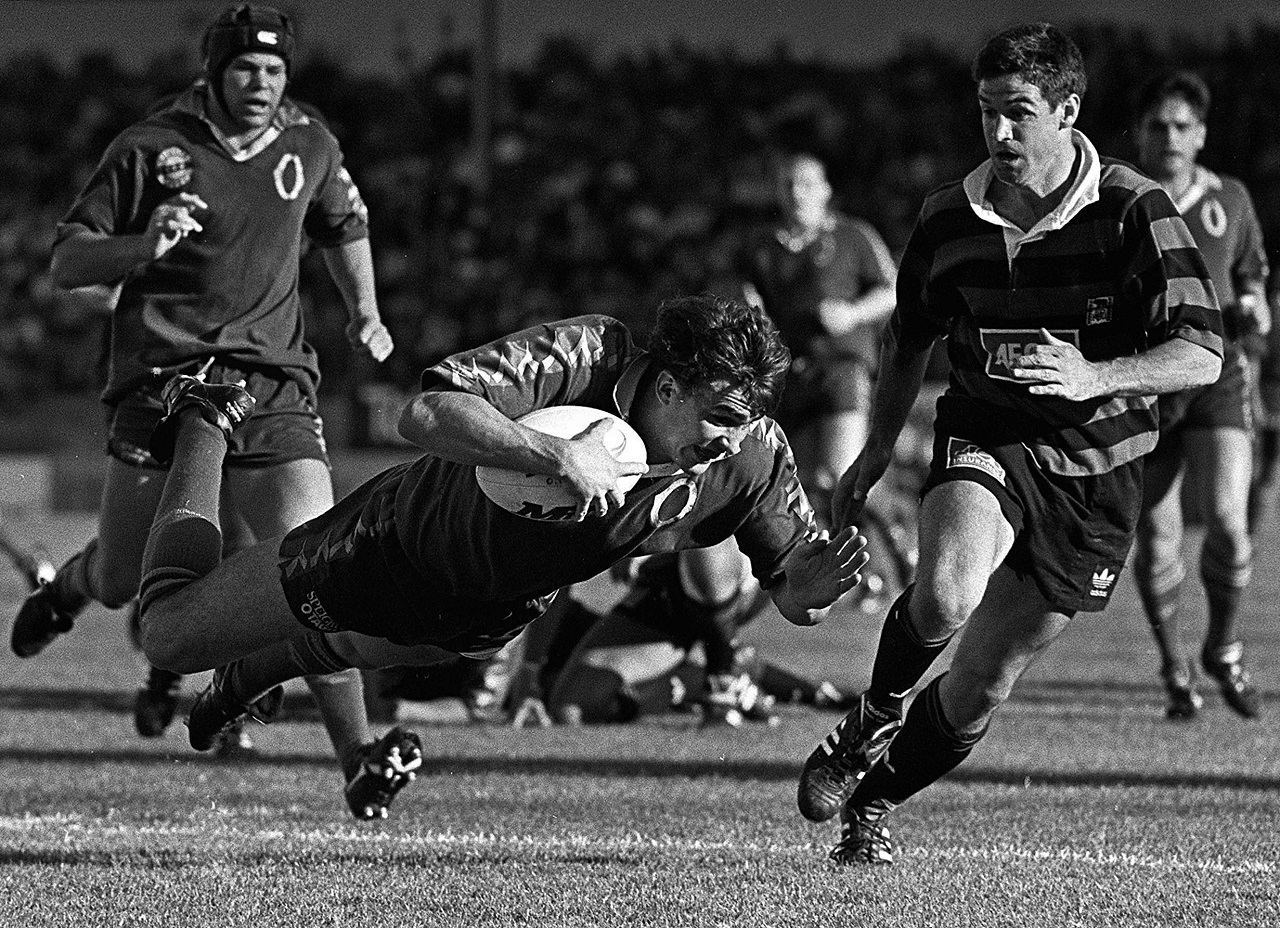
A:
x: 174, y: 167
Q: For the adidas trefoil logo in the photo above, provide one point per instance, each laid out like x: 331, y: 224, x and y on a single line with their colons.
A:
x: 1103, y: 580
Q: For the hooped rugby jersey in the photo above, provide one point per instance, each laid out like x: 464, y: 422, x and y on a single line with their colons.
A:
x: 469, y: 550
x: 1113, y: 270
x: 231, y: 289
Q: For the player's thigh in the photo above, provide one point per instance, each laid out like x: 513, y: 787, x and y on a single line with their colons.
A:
x: 1007, y: 632
x: 964, y: 536
x: 130, y: 496
x: 277, y: 498
x: 232, y: 611
x: 633, y: 651
x: 713, y: 575
x: 1219, y: 472
x: 838, y: 440
x: 366, y: 652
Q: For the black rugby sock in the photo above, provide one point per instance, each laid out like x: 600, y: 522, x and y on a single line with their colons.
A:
x: 901, y: 658
x: 926, y: 749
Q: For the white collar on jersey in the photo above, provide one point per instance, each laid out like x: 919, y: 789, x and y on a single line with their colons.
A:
x: 1083, y: 191
x: 1203, y: 181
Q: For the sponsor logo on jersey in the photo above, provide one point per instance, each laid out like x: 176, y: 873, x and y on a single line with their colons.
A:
x: 1005, y: 346
x: 1098, y: 310
x: 963, y: 453
x: 174, y: 167
x: 289, y: 177
x: 1101, y: 583
x: 315, y: 614
x: 1213, y: 216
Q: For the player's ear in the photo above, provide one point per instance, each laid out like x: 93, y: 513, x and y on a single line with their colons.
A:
x: 1070, y: 111
x: 666, y: 388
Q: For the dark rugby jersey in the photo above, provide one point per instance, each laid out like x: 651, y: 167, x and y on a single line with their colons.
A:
x: 843, y: 262
x: 1219, y: 212
x: 469, y: 552
x: 232, y: 289
x: 1113, y: 270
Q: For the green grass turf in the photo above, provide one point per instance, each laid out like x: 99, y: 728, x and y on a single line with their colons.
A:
x: 1082, y: 807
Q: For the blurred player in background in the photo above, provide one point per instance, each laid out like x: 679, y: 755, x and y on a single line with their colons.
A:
x: 1057, y: 348
x: 827, y: 281
x: 418, y: 565
x: 654, y: 652
x: 1206, y: 433
x: 200, y: 209
x: 1265, y: 487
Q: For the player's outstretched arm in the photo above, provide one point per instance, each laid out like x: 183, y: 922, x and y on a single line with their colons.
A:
x: 351, y: 267
x: 818, y: 572
x: 898, y: 384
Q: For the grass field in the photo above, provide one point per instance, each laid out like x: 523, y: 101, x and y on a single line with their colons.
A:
x: 1082, y: 807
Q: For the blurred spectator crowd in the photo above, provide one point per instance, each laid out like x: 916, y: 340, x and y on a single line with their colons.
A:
x: 608, y: 186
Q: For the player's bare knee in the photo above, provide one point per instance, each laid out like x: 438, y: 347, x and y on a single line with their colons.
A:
x: 160, y: 643
x: 941, y: 608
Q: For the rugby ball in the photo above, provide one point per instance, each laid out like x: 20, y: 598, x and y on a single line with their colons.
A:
x: 546, y: 498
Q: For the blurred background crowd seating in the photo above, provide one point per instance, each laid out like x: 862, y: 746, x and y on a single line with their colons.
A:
x: 609, y: 185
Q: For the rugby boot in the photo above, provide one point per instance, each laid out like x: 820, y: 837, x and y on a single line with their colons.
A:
x: 215, y: 712
x: 1224, y: 664
x: 233, y: 743
x: 836, y: 766
x: 383, y: 769
x: 225, y: 405
x: 156, y: 702
x: 864, y: 840
x: 1183, y: 701
x: 39, y: 621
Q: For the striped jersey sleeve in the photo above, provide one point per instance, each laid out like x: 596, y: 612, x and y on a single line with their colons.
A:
x: 1121, y: 276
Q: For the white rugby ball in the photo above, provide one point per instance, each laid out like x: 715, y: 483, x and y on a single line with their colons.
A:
x: 546, y: 498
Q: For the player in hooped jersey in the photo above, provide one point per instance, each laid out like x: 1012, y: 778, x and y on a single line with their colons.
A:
x: 419, y: 565
x: 199, y: 210
x: 1070, y: 293
x: 1206, y: 433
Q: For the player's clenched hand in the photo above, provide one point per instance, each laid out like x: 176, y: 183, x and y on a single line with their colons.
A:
x: 368, y: 334
x: 1056, y: 368
x: 173, y: 220
x: 593, y: 472
x: 821, y: 570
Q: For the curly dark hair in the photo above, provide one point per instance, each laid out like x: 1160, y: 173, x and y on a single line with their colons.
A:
x: 1041, y: 54
x: 704, y: 339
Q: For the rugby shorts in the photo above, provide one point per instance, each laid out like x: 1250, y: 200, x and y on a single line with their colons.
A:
x: 817, y: 388
x: 1072, y: 534
x: 1227, y: 403
x: 346, y: 571
x: 284, y: 426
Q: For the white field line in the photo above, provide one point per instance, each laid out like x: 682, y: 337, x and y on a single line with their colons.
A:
x: 78, y: 830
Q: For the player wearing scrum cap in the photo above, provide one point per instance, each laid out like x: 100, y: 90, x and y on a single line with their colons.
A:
x: 200, y: 210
